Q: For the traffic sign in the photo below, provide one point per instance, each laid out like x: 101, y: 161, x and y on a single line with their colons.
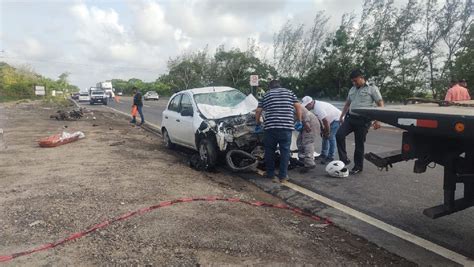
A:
x: 40, y: 90
x: 253, y: 80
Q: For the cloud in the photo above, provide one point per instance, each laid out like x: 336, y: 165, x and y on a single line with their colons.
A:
x: 247, y: 8
x: 150, y: 23
x: 99, y: 33
x: 198, y: 21
x: 34, y: 49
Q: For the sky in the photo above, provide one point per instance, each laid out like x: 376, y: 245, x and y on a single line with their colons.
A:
x: 99, y: 40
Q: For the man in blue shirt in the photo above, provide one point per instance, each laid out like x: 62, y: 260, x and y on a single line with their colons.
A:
x: 280, y: 106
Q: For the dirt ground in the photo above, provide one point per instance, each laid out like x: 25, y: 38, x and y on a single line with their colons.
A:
x: 48, y: 193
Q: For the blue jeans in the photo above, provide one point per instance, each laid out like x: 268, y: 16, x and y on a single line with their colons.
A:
x: 329, y: 144
x: 140, y: 111
x: 272, y: 138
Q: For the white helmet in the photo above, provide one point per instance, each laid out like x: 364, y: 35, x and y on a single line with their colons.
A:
x: 337, y: 169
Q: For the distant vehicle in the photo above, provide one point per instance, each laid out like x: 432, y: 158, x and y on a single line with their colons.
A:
x: 84, y: 96
x: 75, y: 96
x: 151, y: 95
x: 106, y: 86
x: 98, y: 96
x: 119, y: 93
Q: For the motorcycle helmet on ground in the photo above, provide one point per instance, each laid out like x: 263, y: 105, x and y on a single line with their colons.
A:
x: 337, y: 169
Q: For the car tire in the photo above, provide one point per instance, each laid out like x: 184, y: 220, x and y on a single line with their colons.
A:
x: 207, y: 153
x: 91, y: 103
x: 167, y: 139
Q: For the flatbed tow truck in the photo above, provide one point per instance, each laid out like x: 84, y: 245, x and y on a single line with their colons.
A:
x: 436, y: 132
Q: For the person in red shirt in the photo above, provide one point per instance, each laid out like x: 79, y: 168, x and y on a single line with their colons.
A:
x: 457, y: 93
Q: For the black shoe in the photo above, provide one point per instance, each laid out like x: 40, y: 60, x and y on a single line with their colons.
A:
x: 327, y: 160
x: 355, y: 170
x: 346, y: 162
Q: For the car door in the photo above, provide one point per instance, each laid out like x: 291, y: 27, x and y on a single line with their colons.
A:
x: 185, y: 130
x: 170, y: 118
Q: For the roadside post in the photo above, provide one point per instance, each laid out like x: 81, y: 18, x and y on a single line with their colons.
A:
x: 254, y: 84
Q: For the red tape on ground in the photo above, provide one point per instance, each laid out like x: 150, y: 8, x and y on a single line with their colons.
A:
x: 148, y: 209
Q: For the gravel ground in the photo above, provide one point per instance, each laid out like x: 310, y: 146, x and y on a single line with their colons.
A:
x: 48, y: 193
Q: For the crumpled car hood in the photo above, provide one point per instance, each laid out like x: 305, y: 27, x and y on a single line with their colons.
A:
x: 211, y: 112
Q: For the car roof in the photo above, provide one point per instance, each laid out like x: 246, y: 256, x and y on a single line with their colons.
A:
x: 208, y: 89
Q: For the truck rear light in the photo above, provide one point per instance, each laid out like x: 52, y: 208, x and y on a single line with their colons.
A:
x: 459, y: 127
x: 406, y: 147
x: 418, y: 122
x: 427, y: 123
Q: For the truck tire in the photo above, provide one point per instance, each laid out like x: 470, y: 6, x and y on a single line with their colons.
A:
x: 91, y: 102
x: 166, y: 139
x: 207, y: 153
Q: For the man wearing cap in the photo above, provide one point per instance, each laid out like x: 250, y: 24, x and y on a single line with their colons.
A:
x: 458, y: 92
x: 361, y: 95
x: 329, y: 116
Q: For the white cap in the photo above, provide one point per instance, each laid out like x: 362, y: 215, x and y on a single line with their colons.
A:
x: 306, y: 100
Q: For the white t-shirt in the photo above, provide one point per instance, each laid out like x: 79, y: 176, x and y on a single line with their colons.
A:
x: 324, y: 110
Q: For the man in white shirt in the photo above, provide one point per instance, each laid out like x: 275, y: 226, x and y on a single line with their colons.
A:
x: 329, y: 116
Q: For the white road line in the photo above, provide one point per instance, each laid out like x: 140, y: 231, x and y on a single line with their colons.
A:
x: 456, y: 257
x: 147, y: 106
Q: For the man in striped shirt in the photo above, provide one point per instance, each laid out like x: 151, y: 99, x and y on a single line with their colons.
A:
x: 280, y: 106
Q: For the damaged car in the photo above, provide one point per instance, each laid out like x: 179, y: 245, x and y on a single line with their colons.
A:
x: 211, y: 121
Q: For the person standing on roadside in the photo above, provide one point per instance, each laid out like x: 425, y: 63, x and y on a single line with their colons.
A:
x: 138, y: 102
x: 329, y: 116
x: 458, y: 91
x: 280, y: 106
x: 306, y: 140
x: 361, y: 95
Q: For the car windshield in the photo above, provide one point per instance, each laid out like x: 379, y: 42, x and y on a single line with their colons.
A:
x: 98, y: 92
x: 221, y: 99
x: 152, y: 93
x: 84, y: 94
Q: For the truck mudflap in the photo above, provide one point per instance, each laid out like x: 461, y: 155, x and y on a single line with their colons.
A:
x: 455, y: 156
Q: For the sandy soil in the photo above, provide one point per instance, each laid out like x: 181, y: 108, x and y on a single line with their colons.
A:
x: 48, y: 193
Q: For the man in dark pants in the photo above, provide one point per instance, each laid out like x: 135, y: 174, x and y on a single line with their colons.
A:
x: 138, y: 102
x: 279, y: 105
x: 361, y: 95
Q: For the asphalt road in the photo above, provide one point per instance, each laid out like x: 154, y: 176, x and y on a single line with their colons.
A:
x: 397, y: 197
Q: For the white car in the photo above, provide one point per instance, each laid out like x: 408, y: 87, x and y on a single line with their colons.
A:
x: 210, y: 120
x: 84, y: 97
x: 151, y: 95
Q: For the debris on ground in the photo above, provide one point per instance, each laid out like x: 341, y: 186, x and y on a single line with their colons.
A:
x: 60, y: 139
x: 117, y: 143
x: 63, y: 115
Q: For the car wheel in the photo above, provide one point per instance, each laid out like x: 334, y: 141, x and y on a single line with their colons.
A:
x: 207, y: 153
x: 91, y: 103
x: 166, y: 139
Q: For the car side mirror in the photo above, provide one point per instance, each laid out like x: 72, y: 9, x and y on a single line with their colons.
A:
x: 187, y: 112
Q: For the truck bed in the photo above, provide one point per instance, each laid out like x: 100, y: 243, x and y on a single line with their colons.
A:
x: 428, y: 119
